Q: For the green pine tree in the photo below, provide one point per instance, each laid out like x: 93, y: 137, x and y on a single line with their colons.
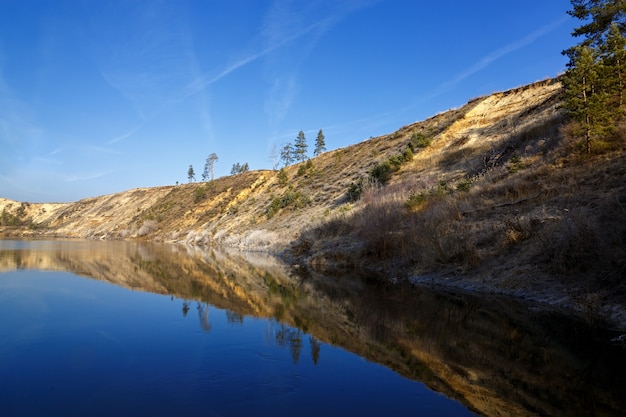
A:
x: 594, y: 81
x: 300, y: 148
x: 584, y: 98
x: 320, y: 143
x: 614, y: 62
x: 191, y: 174
x: 598, y: 17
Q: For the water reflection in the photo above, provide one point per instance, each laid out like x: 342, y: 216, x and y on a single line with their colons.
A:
x: 494, y: 355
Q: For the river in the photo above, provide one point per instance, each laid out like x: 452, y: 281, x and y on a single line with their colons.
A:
x: 127, y: 328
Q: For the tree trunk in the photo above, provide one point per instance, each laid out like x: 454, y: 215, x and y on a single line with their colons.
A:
x: 587, y: 117
x: 620, y: 82
x: 588, y: 133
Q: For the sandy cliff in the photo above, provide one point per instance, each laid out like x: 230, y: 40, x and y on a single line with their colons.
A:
x: 233, y: 210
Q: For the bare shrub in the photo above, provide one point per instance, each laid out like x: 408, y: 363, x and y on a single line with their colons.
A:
x: 519, y: 229
x: 370, y: 190
x: 380, y: 226
x: 573, y: 245
x: 336, y: 225
x: 260, y: 239
x: 149, y: 226
x: 442, y: 237
x: 433, y: 236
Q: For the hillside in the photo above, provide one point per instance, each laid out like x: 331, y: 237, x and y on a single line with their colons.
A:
x: 492, y: 196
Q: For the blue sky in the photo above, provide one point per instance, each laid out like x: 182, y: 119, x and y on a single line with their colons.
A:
x: 102, y: 96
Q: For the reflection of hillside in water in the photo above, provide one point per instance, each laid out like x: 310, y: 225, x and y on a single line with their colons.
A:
x: 494, y: 355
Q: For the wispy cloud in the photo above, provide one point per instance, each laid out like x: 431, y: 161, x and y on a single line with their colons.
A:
x: 87, y: 176
x: 203, y: 81
x: 123, y: 136
x: 497, y: 54
x: 281, y: 27
x: 124, y: 91
x: 99, y: 149
x: 48, y: 161
x: 194, y: 67
x: 19, y: 130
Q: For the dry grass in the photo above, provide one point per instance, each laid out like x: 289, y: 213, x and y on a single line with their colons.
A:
x: 539, y: 208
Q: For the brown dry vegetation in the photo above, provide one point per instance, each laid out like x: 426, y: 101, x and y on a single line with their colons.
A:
x: 494, y: 195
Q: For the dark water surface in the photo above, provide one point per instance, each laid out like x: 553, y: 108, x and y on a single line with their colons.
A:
x: 118, y: 328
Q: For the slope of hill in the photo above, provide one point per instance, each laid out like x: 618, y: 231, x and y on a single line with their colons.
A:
x: 490, y: 196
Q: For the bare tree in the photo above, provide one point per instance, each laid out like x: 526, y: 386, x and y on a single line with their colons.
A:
x: 287, y: 154
x: 209, y: 167
x: 274, y: 158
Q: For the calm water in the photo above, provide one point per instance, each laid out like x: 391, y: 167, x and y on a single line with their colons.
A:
x: 117, y: 328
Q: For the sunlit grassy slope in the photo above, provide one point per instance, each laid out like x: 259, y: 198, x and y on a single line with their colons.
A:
x: 493, y: 195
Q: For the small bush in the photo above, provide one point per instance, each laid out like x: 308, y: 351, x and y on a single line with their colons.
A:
x: 419, y: 140
x: 519, y: 229
x: 293, y: 199
x: 306, y: 167
x: 354, y: 190
x: 442, y: 189
x: 464, y: 185
x: 283, y: 179
x: 199, y: 194
x: 515, y: 164
x: 17, y: 219
x: 416, y: 199
x: 381, y: 171
x: 444, y: 238
x: 202, y: 192
x: 574, y: 245
x: 9, y: 219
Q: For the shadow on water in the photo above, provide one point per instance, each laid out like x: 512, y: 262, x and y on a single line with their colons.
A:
x: 495, y: 355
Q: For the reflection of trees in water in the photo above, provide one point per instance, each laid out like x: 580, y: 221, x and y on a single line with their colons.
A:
x: 292, y: 338
x: 203, y: 315
x: 234, y: 317
x: 515, y: 357
x: 315, y: 349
